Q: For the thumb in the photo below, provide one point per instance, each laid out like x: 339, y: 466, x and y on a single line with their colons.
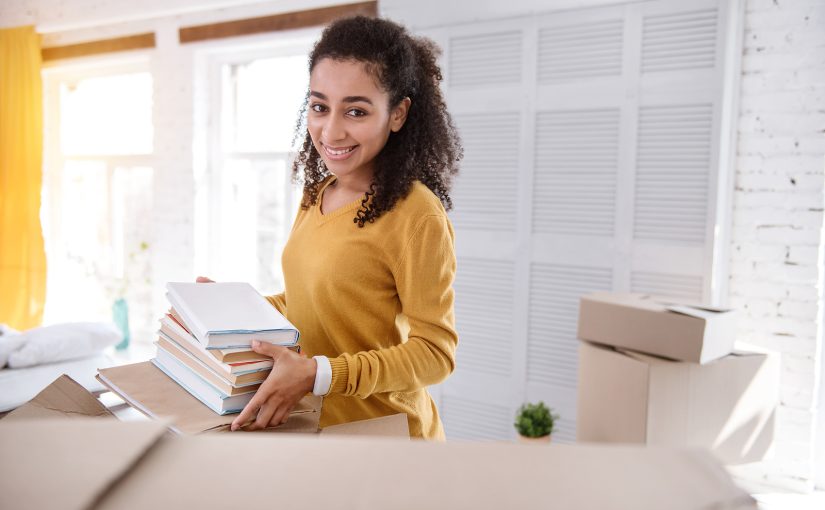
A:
x: 267, y: 348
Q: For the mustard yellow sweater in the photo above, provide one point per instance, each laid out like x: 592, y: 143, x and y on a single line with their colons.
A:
x: 378, y: 302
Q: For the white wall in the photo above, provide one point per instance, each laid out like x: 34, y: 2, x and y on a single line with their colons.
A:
x: 777, y: 241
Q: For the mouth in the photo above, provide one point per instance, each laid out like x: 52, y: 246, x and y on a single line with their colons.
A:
x: 338, y: 153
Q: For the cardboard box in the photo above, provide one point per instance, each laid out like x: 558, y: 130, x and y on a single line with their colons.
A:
x: 105, y: 464
x: 679, y: 331
x: 727, y: 405
x: 146, y: 388
x: 65, y: 398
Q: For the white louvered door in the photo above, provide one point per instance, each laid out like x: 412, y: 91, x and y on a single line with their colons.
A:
x: 593, y: 146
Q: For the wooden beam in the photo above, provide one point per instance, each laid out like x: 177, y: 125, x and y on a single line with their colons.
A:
x: 131, y: 42
x: 286, y: 21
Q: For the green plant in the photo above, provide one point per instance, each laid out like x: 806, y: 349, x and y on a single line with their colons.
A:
x: 535, y: 420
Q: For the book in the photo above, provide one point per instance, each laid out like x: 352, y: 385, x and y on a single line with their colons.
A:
x: 242, y: 355
x: 170, y: 330
x: 229, y: 315
x: 227, y: 383
x: 231, y: 356
x: 196, y: 386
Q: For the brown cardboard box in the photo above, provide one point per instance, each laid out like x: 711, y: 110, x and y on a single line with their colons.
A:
x: 63, y: 398
x: 105, y: 464
x: 150, y: 391
x: 680, y: 331
x: 727, y: 405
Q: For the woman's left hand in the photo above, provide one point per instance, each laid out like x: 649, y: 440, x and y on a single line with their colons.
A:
x: 292, y: 377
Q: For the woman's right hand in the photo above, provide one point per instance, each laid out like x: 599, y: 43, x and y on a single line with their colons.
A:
x: 203, y: 279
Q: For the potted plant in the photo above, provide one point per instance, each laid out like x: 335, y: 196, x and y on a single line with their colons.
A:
x: 534, y: 423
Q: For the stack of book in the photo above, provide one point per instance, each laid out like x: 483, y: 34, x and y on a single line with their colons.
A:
x: 204, y: 341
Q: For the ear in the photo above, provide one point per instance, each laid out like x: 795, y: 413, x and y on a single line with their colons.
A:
x: 399, y: 115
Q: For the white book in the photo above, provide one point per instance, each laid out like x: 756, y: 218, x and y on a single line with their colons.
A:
x: 171, y: 330
x: 198, y: 388
x: 229, y: 314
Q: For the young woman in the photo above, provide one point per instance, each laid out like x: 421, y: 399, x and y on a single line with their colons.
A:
x: 370, y: 262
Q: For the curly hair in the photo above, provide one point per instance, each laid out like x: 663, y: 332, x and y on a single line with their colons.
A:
x: 427, y: 147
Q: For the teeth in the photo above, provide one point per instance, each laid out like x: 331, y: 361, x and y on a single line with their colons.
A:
x: 338, y: 152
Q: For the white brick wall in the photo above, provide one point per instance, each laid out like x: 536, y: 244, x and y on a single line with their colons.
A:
x: 776, y: 273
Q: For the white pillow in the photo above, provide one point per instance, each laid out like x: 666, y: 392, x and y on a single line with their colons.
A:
x: 61, y: 342
x: 10, y: 341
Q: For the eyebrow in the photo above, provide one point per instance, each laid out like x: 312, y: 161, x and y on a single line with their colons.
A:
x: 348, y: 99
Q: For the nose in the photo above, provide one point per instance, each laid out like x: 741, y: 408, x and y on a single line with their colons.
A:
x: 334, y: 129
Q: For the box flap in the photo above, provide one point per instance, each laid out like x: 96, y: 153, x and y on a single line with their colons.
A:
x: 376, y: 473
x: 395, y: 425
x: 150, y: 391
x: 61, y: 399
x: 734, y: 401
x: 727, y: 405
x: 68, y: 463
x: 696, y: 311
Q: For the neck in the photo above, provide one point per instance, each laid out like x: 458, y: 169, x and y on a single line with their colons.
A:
x: 354, y: 183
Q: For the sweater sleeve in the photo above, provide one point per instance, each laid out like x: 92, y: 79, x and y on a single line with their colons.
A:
x: 424, y: 278
x: 278, y: 301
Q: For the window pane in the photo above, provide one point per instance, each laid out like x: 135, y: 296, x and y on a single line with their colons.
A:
x: 99, y: 250
x: 255, y: 221
x: 265, y: 97
x: 107, y: 115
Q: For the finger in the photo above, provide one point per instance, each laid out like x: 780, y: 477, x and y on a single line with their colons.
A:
x: 247, y: 413
x: 267, y: 348
x: 281, y: 415
x: 203, y: 279
x: 264, y: 415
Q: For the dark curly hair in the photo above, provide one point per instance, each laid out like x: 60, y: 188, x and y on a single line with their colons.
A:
x: 427, y: 147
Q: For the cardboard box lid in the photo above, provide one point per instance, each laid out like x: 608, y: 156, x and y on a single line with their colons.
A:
x: 388, y: 473
x: 658, y: 303
x: 147, y: 389
x: 68, y: 463
x: 62, y: 398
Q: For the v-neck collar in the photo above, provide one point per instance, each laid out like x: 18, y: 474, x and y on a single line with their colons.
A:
x: 323, y: 218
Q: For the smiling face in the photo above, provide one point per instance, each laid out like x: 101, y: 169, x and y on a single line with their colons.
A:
x: 349, y: 118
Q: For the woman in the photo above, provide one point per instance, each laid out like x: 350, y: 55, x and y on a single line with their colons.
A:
x: 370, y: 261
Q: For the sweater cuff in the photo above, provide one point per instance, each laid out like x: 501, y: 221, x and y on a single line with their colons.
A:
x: 340, y: 374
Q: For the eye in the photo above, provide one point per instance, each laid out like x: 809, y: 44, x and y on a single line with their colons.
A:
x: 355, y: 112
x: 317, y: 107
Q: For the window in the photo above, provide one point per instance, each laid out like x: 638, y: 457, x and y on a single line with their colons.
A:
x: 251, y: 198
x: 98, y: 193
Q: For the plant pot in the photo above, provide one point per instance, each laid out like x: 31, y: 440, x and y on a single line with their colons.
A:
x: 534, y: 440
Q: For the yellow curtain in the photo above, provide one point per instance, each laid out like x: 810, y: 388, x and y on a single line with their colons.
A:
x: 22, y: 254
